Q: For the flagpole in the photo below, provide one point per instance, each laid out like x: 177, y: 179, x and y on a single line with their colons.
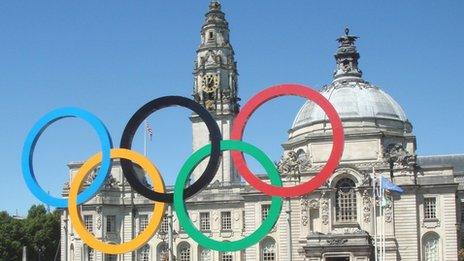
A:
x: 382, y: 224
x: 375, y: 214
x: 145, y: 129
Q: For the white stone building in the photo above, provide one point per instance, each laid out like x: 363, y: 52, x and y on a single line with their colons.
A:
x: 334, y: 223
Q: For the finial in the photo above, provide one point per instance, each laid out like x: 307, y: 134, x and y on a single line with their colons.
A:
x: 347, y: 58
x: 214, y: 5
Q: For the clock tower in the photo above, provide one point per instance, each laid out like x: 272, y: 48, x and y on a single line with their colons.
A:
x: 215, y: 87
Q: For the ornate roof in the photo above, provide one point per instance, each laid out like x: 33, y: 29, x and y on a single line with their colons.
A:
x: 352, y: 100
x: 352, y: 97
x: 454, y: 160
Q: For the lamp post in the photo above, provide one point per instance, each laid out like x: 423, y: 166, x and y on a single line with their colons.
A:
x: 169, y: 235
x: 290, y: 165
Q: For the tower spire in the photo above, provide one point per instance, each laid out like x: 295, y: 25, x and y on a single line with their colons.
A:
x: 347, y: 58
x: 215, y: 87
x: 215, y: 68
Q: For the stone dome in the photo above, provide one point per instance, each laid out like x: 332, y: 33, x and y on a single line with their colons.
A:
x: 352, y: 100
x: 362, y: 107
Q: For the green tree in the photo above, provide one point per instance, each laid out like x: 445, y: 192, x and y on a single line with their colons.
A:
x: 12, y: 237
x: 39, y: 232
x: 42, y: 233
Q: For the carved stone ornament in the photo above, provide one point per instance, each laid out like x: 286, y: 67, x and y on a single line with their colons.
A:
x: 111, y: 182
x: 304, y: 162
x: 324, y: 209
x: 99, y: 217
x: 367, y: 206
x: 314, y: 204
x: 337, y: 241
x: 304, y: 211
x: 397, y: 154
x: 288, y: 165
x: 387, y: 208
x: 293, y: 164
x: 366, y: 178
x: 371, y: 164
x: 91, y: 177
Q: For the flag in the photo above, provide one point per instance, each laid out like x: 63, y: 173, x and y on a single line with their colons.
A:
x: 390, y: 186
x: 149, y: 130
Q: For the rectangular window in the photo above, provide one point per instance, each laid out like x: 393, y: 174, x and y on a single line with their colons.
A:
x: 226, y: 220
x: 227, y: 256
x: 109, y: 257
x: 164, y: 225
x: 243, y: 220
x: 265, y: 211
x: 204, y: 221
x: 430, y: 208
x: 143, y: 222
x: 462, y: 213
x: 111, y: 224
x: 88, y: 221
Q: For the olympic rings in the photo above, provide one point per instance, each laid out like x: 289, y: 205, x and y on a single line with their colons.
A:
x: 141, y: 115
x: 31, y: 140
x: 324, y: 173
x: 213, y: 150
x: 154, y: 222
x: 183, y: 216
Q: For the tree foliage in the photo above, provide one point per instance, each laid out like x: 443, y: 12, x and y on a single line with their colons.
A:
x: 39, y: 232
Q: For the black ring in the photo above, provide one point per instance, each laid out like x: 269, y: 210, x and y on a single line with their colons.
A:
x: 149, y: 108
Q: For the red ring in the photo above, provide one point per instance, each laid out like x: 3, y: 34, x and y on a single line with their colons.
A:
x: 337, y: 135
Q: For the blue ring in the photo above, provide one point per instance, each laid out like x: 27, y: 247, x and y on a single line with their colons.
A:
x: 34, y: 135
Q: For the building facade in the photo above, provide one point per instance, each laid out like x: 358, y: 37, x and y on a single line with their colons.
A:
x: 334, y: 223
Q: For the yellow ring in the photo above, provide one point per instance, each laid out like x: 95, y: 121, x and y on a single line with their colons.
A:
x: 158, y: 209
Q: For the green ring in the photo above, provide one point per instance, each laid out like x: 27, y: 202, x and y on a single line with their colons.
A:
x: 184, y: 219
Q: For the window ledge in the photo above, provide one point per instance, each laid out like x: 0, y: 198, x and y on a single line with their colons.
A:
x: 226, y: 233
x: 353, y: 224
x: 430, y: 222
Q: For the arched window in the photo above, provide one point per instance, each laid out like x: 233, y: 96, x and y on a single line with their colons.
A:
x: 431, y: 247
x: 162, y: 252
x: 144, y: 253
x: 183, y: 251
x: 72, y: 252
x: 204, y: 254
x: 89, y: 253
x: 268, y: 250
x: 345, y: 201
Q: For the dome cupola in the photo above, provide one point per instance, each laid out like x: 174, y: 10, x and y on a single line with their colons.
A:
x: 361, y: 105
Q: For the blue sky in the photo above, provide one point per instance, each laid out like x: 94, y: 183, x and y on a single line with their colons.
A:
x: 111, y: 57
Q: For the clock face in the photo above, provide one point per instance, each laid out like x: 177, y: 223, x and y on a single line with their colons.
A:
x: 210, y: 82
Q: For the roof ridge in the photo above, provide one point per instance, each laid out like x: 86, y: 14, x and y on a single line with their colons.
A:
x: 441, y: 155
